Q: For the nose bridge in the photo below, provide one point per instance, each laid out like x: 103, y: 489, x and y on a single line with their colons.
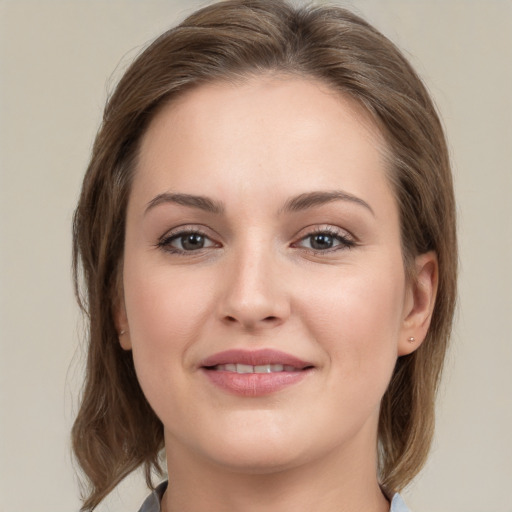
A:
x: 254, y: 295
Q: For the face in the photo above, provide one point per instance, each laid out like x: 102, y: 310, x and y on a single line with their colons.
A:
x: 265, y: 297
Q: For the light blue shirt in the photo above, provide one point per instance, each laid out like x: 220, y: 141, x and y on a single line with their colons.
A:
x: 152, y: 503
x: 398, y: 504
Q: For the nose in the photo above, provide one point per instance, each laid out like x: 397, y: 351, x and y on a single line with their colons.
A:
x: 254, y: 293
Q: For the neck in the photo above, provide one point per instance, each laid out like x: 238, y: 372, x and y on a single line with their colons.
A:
x: 338, y: 482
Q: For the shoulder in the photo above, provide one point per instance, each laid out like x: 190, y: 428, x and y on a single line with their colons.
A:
x: 152, y: 502
x: 398, y: 504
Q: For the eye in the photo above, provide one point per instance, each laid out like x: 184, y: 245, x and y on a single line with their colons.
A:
x: 325, y: 240
x: 186, y: 241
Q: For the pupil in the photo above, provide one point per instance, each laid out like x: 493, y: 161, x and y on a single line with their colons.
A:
x: 322, y: 242
x: 192, y: 241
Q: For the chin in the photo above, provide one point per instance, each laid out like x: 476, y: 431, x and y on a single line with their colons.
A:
x: 256, y: 448
x: 259, y: 460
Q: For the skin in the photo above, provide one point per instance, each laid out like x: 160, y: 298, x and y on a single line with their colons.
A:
x: 258, y: 283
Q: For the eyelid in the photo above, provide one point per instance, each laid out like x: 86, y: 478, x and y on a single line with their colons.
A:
x: 346, y: 238
x: 184, y: 228
x: 164, y: 241
x: 324, y: 228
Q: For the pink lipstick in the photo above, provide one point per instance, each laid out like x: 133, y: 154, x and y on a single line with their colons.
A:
x: 254, y: 372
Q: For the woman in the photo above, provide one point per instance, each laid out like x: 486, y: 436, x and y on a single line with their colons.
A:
x: 266, y: 235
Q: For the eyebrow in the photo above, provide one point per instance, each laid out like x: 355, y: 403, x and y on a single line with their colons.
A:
x: 295, y: 204
x: 200, y: 202
x: 312, y: 199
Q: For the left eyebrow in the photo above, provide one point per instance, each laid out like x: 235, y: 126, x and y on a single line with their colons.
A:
x: 312, y: 199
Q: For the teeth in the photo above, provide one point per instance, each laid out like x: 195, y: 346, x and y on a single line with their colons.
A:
x: 262, y: 368
x: 267, y: 368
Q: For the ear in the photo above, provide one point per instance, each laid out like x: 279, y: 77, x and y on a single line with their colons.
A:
x: 121, y: 322
x: 419, y: 303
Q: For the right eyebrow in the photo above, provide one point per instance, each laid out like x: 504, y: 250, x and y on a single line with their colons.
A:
x: 200, y: 202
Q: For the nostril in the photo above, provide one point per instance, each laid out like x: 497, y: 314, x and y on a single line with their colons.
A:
x: 266, y: 320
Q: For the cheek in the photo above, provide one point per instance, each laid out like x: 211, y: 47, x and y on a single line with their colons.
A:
x: 356, y: 317
x: 166, y: 309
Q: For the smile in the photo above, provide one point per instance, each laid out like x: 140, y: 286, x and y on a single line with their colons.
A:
x: 248, y: 368
x: 253, y: 373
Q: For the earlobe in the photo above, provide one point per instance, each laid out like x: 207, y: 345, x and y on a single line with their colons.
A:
x: 121, y: 322
x: 419, y: 304
x: 124, y: 339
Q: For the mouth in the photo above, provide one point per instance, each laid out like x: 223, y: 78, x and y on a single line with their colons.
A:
x: 249, y: 368
x: 254, y: 361
x: 254, y: 373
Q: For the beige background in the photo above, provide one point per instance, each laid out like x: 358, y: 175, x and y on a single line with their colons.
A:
x: 57, y: 62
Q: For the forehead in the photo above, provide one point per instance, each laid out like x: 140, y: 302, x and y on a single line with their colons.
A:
x: 267, y: 133
x: 268, y: 98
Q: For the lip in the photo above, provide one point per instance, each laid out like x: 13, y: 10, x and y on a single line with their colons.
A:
x: 254, y: 384
x: 254, y: 358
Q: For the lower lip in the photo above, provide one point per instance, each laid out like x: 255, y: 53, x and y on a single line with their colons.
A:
x: 254, y: 384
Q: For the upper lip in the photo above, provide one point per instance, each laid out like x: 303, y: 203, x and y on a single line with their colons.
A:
x: 254, y: 358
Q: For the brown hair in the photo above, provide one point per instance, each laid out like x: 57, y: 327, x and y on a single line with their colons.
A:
x: 116, y: 431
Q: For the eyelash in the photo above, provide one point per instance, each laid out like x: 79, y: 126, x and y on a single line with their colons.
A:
x: 164, y: 243
x: 345, y: 242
